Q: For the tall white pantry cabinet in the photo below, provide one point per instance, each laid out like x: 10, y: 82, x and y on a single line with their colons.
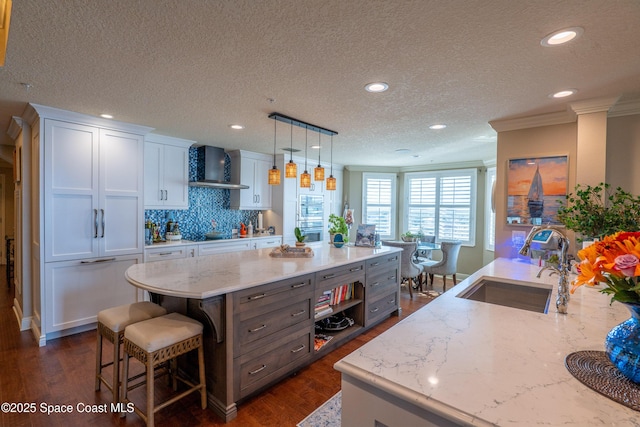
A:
x: 88, y: 228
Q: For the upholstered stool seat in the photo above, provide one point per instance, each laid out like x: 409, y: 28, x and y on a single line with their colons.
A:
x: 159, y: 340
x: 111, y: 325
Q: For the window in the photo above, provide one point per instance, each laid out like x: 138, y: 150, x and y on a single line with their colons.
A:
x: 490, y: 215
x: 442, y: 204
x: 379, y: 204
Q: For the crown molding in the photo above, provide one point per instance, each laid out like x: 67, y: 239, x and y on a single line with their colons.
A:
x: 593, y: 105
x: 548, y: 119
x: 626, y: 107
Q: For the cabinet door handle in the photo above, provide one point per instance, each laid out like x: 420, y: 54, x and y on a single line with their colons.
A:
x: 374, y: 310
x: 354, y: 269
x: 161, y: 195
x: 95, y: 261
x: 375, y: 264
x: 165, y: 253
x: 95, y: 223
x: 375, y: 284
x: 391, y: 301
x: 255, y: 297
x: 102, y: 212
x: 299, y: 285
x: 298, y: 350
x: 259, y: 328
x: 262, y: 368
x: 391, y: 277
x: 328, y: 276
x: 300, y: 313
x: 166, y: 194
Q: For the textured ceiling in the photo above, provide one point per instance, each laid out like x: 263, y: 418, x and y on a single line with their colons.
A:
x: 191, y: 68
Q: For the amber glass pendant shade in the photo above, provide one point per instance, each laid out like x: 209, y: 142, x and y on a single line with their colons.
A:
x: 305, y: 180
x: 274, y: 176
x: 291, y: 170
x: 318, y: 173
x: 331, y: 183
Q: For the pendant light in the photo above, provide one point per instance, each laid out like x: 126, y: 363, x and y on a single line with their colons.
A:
x: 305, y: 177
x: 291, y: 170
x: 318, y: 173
x: 274, y: 173
x: 331, y: 181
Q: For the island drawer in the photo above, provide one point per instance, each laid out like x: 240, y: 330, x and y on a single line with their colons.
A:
x: 337, y: 276
x: 270, y: 362
x: 383, y: 263
x: 284, y: 290
x: 380, y: 307
x: 382, y: 282
x: 268, y: 320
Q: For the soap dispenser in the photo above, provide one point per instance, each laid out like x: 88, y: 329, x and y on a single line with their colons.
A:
x: 250, y: 229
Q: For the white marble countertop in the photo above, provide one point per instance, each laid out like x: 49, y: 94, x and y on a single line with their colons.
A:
x: 185, y: 242
x: 485, y: 364
x: 207, y: 276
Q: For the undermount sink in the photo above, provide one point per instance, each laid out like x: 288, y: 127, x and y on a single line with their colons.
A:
x: 515, y: 294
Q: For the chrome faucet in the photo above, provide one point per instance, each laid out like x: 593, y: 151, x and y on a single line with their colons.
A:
x: 562, y: 301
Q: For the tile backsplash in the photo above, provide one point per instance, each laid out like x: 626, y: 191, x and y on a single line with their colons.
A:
x: 205, y: 204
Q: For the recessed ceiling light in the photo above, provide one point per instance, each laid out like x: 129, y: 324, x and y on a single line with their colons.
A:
x: 236, y: 127
x: 376, y: 87
x: 106, y: 116
x: 316, y: 147
x: 561, y: 36
x: 563, y: 93
x: 437, y: 126
x: 402, y: 150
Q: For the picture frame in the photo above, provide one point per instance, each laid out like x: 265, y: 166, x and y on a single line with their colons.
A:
x: 366, y: 235
x: 535, y: 186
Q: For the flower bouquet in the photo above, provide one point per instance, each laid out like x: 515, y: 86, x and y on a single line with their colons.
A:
x: 614, y: 261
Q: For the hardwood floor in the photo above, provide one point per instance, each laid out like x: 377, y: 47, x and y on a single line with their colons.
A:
x: 62, y: 373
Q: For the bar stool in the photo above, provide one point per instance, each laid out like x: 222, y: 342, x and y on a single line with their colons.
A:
x: 111, y: 325
x: 156, y: 341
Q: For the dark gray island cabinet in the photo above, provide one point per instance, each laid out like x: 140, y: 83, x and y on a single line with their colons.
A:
x: 260, y: 312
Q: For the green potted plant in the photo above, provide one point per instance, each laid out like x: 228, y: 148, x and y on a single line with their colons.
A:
x: 411, y: 237
x: 596, y: 211
x: 299, y: 236
x: 337, y: 225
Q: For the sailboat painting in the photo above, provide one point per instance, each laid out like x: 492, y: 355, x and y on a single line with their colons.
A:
x: 534, y: 187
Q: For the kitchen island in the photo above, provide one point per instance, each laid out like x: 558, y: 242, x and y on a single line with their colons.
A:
x: 464, y: 362
x: 258, y: 311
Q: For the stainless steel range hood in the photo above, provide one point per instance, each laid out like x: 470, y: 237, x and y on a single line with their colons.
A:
x: 210, y: 170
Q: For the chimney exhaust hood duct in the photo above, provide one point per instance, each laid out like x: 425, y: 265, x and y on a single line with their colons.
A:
x: 210, y: 170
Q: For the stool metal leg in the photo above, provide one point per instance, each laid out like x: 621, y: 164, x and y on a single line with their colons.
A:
x: 98, y: 360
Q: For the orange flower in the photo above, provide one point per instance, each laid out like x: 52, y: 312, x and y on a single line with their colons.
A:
x: 614, y: 257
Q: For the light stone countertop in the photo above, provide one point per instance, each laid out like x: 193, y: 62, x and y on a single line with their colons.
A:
x: 484, y: 364
x: 185, y: 242
x: 211, y: 275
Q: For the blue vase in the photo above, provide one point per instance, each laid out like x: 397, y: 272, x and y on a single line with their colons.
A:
x: 622, y: 344
x: 338, y: 240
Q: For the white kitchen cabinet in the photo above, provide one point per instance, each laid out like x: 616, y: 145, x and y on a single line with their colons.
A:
x: 87, y: 217
x: 251, y: 169
x: 224, y: 246
x: 166, y: 172
x: 166, y: 252
x: 92, y: 191
x: 266, y: 242
x: 77, y: 290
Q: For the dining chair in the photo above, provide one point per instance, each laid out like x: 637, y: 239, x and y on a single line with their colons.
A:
x: 446, y: 266
x: 409, y: 270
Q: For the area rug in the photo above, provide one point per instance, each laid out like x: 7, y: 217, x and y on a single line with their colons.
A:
x: 327, y: 415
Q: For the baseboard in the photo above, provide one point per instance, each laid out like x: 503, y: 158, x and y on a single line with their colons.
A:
x: 23, y: 322
x: 37, y: 334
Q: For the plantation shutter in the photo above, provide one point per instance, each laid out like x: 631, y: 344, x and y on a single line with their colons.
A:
x: 379, y: 202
